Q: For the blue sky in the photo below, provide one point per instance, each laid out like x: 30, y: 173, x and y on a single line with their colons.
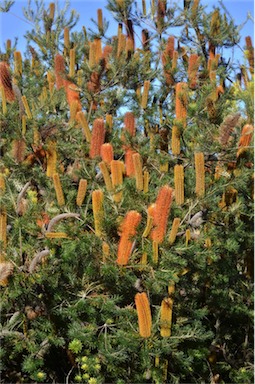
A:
x: 13, y: 24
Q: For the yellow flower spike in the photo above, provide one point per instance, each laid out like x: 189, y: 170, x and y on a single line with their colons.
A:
x: 106, y: 251
x: 155, y: 252
x: 51, y: 155
x: 66, y: 41
x: 82, y: 119
x: 121, y: 44
x: 82, y: 189
x: 58, y: 189
x: 52, y: 11
x: 187, y: 237
x: 80, y: 76
x: 176, y: 142
x: 145, y: 94
x: 144, y: 314
x: 164, y: 167
x: 166, y: 311
x: 171, y: 288
x: 100, y: 19
x: 108, y: 122
x: 98, y: 210
x: 50, y: 79
x: 56, y: 235
x: 148, y: 225
x: 146, y: 178
x: 4, y: 104
x: 174, y: 230
x: 144, y: 258
x: 200, y: 174
x: 26, y: 106
x: 106, y: 176
x: 179, y: 184
x: 157, y: 361
x: 72, y: 63
x: 117, y: 178
x: 2, y: 184
x: 73, y: 110
x: 17, y: 63
x: 3, y: 229
x: 137, y: 161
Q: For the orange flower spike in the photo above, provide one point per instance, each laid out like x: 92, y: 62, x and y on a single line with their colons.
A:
x: 129, y: 164
x: 179, y: 183
x: 245, y: 139
x: 72, y: 94
x: 144, y: 314
x: 59, y: 67
x: 129, y: 123
x: 106, y: 152
x: 81, y: 192
x: 161, y: 213
x: 6, y: 81
x: 97, y: 138
x: 117, y: 178
x: 192, y: 70
x: 128, y: 231
x: 176, y: 141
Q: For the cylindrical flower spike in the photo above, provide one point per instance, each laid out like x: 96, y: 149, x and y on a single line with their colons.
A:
x: 3, y: 230
x: 193, y: 70
x: 181, y: 102
x: 174, y: 230
x: 176, y: 143
x: 245, y: 139
x: 26, y: 106
x: 72, y: 63
x: 4, y: 104
x: 97, y: 139
x: 129, y: 123
x: 166, y: 317
x: 17, y: 63
x: 150, y: 219
x: 66, y: 41
x: 18, y: 150
x: 200, y: 174
x: 56, y: 235
x: 187, y: 237
x: 161, y: 213
x: 109, y: 122
x: 138, y: 171
x: 72, y: 94
x: 51, y: 155
x: 121, y: 44
x: 106, y: 251
x: 179, y: 184
x: 100, y: 19
x: 6, y: 81
x: 58, y: 189
x: 144, y: 314
x: 106, y: 176
x: 82, y: 119
x: 2, y: 184
x: 250, y: 55
x: 155, y: 252
x: 82, y: 189
x: 146, y: 87
x: 106, y: 152
x: 117, y: 178
x: 146, y: 178
x: 129, y: 164
x: 128, y: 231
x: 98, y: 210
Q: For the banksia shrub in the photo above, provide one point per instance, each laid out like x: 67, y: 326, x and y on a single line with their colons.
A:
x: 128, y: 231
x: 97, y: 139
x: 6, y: 81
x: 161, y: 213
x: 144, y: 314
